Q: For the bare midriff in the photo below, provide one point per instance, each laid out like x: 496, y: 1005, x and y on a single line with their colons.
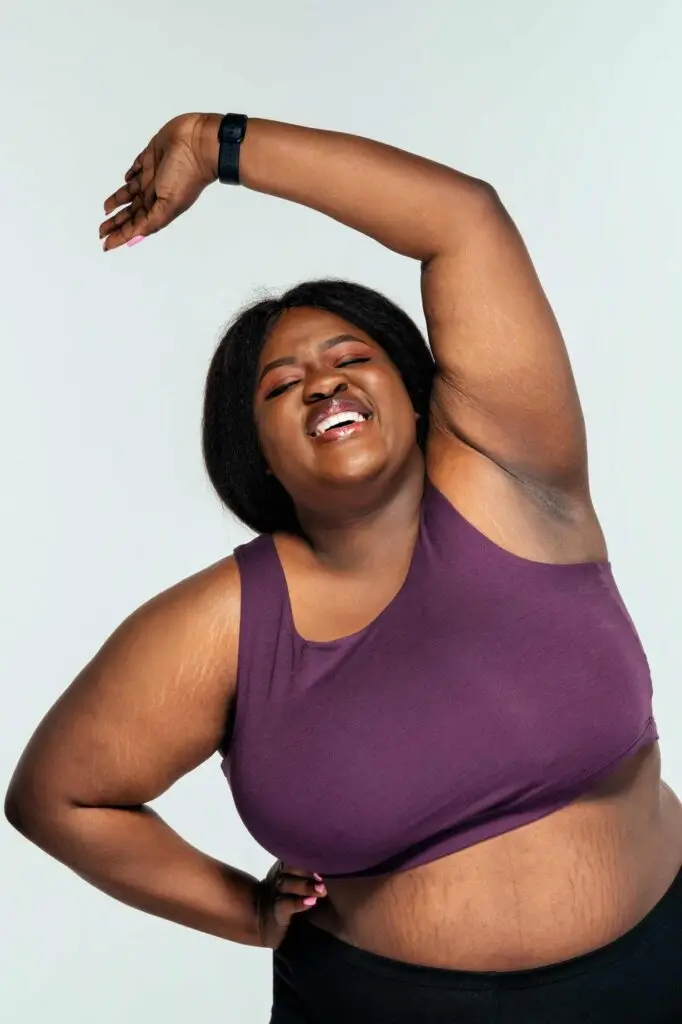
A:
x: 543, y: 893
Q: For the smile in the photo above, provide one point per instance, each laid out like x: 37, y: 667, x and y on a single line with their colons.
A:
x: 337, y: 418
x: 341, y: 425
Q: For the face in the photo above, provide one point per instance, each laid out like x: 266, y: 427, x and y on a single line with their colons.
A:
x: 330, y: 407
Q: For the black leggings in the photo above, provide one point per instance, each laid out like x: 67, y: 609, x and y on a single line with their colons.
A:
x: 636, y: 979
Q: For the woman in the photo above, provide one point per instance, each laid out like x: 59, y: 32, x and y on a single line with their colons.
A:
x: 433, y: 707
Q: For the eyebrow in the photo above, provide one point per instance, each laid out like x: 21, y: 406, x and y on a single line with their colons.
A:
x: 323, y: 346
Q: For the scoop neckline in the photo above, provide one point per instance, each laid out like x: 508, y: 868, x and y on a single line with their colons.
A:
x: 529, y: 564
x: 358, y: 633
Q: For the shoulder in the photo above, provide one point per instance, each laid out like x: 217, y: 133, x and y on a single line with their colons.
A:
x: 192, y: 625
x: 212, y: 590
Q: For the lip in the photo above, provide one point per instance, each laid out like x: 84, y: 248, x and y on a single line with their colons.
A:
x: 330, y: 407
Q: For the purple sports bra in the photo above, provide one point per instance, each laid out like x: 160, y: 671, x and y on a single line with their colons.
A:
x: 490, y: 692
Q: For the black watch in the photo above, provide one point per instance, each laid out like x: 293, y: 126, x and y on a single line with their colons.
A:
x: 230, y: 136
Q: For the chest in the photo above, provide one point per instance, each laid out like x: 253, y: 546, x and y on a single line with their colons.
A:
x: 325, y: 606
x: 472, y: 690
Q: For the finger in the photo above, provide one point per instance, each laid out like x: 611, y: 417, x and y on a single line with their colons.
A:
x: 289, y: 869
x: 120, y: 218
x: 123, y: 196
x: 134, y: 168
x: 143, y: 223
x: 145, y: 178
x: 294, y: 884
x: 149, y: 197
x: 286, y: 906
x: 134, y: 226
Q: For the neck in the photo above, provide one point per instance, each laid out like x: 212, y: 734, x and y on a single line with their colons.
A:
x: 353, y: 538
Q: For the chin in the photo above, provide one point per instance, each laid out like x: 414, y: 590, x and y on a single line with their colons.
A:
x: 348, y: 470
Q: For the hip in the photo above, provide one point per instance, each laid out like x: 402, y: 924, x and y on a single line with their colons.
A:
x: 637, y: 978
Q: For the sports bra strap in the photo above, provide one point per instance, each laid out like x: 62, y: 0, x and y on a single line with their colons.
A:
x: 263, y: 652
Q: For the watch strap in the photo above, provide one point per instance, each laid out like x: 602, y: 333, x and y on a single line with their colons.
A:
x: 230, y: 137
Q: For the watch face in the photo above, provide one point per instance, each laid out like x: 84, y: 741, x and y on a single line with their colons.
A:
x: 232, y: 128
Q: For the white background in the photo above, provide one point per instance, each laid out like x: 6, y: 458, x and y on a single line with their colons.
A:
x: 570, y: 108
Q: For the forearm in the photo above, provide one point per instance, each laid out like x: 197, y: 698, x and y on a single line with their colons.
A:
x: 411, y: 205
x: 134, y: 856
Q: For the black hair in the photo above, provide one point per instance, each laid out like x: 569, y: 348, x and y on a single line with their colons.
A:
x: 232, y: 454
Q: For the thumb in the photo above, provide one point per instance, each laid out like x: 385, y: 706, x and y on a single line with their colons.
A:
x: 160, y: 214
x: 288, y: 904
x: 165, y: 209
x: 162, y: 211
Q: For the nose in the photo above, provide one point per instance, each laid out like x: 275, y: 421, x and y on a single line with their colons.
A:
x: 323, y: 384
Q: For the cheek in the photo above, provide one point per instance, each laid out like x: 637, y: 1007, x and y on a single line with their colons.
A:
x: 277, y: 432
x: 399, y: 406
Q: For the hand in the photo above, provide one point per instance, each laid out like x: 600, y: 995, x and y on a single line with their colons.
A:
x: 281, y: 895
x: 165, y: 180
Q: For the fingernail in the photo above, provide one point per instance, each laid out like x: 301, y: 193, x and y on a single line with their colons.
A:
x: 318, y: 877
x: 321, y: 889
x: 135, y: 241
x: 311, y: 901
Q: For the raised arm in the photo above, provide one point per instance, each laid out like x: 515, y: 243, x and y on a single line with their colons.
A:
x: 148, y: 708
x: 504, y: 386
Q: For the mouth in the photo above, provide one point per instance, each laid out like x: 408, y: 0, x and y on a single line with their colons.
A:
x: 336, y: 420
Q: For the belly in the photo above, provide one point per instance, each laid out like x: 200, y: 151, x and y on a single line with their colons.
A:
x: 569, y: 883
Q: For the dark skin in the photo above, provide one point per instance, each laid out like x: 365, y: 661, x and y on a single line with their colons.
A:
x: 506, y: 446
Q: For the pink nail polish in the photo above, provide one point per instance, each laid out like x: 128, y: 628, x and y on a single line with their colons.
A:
x: 311, y: 901
x: 318, y: 877
x: 321, y: 889
x: 135, y: 241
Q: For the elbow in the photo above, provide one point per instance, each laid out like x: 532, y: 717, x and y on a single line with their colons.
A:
x: 482, y: 195
x: 485, y: 206
x: 17, y: 813
x: 465, y: 214
x: 34, y: 818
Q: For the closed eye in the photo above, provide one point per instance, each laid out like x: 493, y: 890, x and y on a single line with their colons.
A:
x: 279, y: 390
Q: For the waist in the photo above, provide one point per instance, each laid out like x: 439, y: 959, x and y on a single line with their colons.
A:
x: 558, y: 887
x: 632, y: 979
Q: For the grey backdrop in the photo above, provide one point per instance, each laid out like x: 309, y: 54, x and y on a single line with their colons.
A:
x: 571, y: 109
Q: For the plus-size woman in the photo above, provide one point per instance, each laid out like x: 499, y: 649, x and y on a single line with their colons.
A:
x: 431, y: 704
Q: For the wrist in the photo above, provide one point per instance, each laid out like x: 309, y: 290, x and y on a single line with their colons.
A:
x: 206, y: 145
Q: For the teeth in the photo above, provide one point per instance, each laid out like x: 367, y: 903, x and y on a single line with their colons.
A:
x: 336, y: 418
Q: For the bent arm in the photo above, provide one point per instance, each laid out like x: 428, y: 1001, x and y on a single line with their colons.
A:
x: 148, y: 708
x: 504, y: 385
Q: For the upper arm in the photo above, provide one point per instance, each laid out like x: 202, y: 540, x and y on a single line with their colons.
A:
x: 504, y: 384
x: 149, y: 707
